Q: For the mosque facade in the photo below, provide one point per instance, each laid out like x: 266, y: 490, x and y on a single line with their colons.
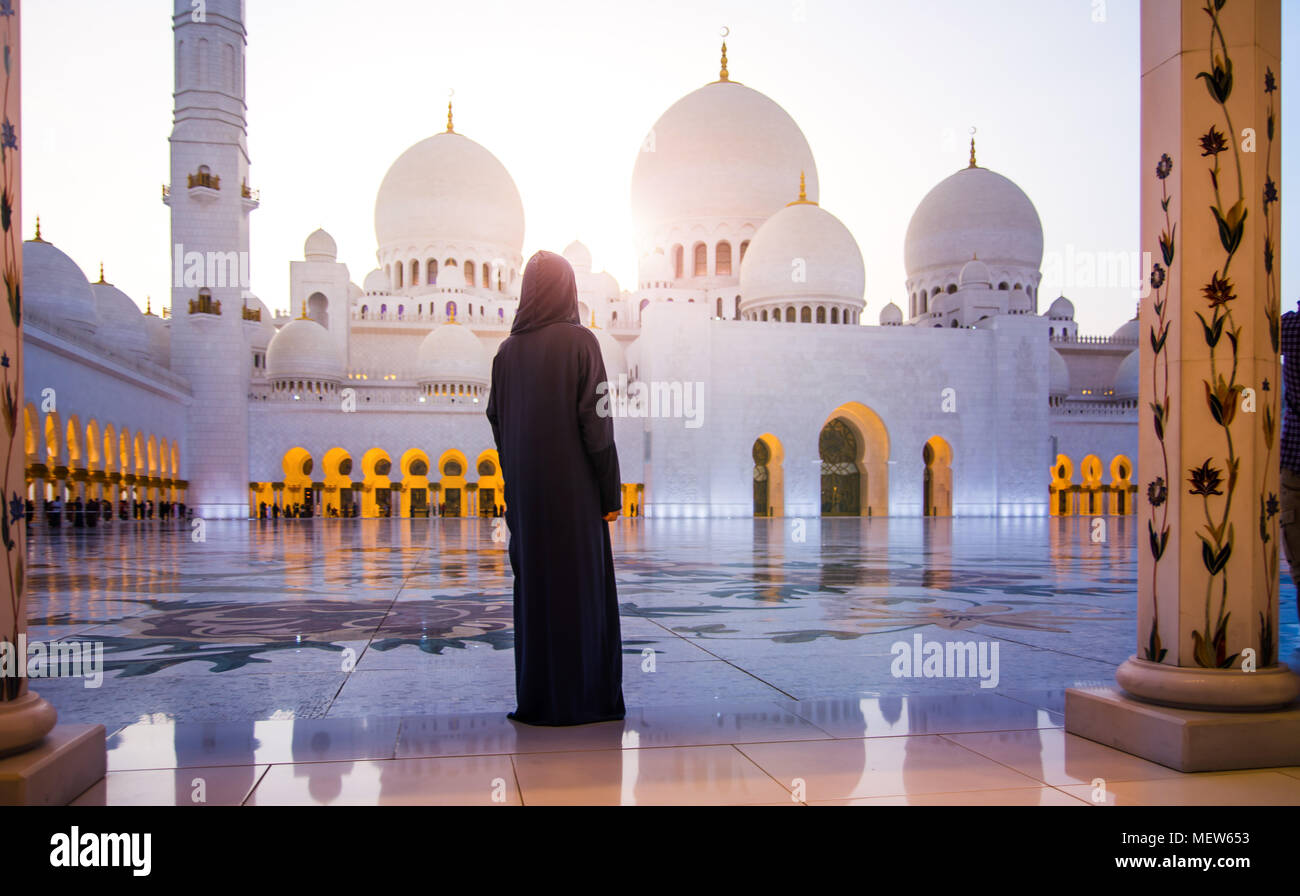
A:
x: 746, y: 376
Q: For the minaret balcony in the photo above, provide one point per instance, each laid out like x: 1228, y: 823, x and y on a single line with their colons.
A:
x: 204, y: 185
x: 205, y: 305
x: 250, y: 198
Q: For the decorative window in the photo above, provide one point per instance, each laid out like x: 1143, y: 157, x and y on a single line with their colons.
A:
x: 722, y: 263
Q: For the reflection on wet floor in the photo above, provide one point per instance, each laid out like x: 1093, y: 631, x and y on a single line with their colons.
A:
x: 324, y: 619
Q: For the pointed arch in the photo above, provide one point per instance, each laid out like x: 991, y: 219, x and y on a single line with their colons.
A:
x: 871, y: 453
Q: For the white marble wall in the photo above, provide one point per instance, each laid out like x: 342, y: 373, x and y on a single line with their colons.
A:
x: 788, y: 380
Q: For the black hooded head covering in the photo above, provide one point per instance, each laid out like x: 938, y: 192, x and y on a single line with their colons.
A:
x: 549, y: 294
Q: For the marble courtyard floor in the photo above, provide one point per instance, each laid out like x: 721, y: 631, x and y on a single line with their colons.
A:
x: 371, y: 661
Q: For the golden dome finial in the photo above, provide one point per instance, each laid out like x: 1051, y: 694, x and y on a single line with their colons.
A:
x: 148, y: 306
x: 304, y: 311
x: 972, y: 149
x: 803, y: 192
x: 101, y: 273
x: 450, y: 129
x: 38, y: 230
x: 593, y: 319
x: 723, y: 75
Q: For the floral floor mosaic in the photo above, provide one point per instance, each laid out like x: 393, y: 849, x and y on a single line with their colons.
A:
x: 313, y: 619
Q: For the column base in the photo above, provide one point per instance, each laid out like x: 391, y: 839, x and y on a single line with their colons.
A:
x: 58, y: 770
x: 23, y: 722
x: 1187, y: 740
x: 1214, y: 690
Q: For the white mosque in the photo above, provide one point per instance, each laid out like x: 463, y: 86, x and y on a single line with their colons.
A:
x: 746, y: 379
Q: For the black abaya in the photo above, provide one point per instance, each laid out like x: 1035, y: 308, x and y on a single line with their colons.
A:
x: 561, y: 476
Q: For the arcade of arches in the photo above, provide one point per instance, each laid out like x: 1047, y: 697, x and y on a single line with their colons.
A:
x: 1090, y: 496
x: 853, y: 447
x: 378, y: 484
x: 71, y: 460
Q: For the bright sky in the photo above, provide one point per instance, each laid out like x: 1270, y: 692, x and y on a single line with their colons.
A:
x: 564, y: 93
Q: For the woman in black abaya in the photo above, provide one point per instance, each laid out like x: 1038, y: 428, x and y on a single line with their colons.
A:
x: 561, y: 487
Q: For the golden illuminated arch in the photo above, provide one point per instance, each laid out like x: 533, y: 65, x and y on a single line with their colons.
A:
x: 1062, y: 502
x: 111, y: 462
x: 416, y: 469
x: 938, y: 483
x: 75, y: 456
x: 769, y: 499
x: 125, y: 454
x: 376, y: 492
x: 298, y: 467
x: 31, y: 435
x: 53, y: 440
x: 491, y: 484
x: 1121, y: 488
x: 453, y: 493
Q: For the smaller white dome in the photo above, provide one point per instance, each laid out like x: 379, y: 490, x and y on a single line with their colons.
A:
x: 265, y: 330
x: 121, y: 322
x: 1131, y: 331
x: 355, y: 292
x: 303, y: 349
x: 452, y: 354
x: 1127, y: 383
x: 607, y: 286
x: 806, y: 239
x: 656, y: 269
x: 377, y: 282
x: 578, y: 256
x: 320, y: 246
x: 54, y: 284
x: 975, y: 273
x: 160, y: 339
x: 450, y: 276
x: 1061, y: 309
x: 891, y: 315
x: 1058, y: 384
x: 1019, y: 302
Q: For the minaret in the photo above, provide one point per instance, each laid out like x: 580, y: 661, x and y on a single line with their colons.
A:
x: 210, y: 203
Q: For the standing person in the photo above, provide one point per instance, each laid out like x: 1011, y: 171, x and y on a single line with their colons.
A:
x: 1289, y: 518
x: 562, y: 484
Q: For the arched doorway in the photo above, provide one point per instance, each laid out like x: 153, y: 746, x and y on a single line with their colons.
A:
x: 769, y: 476
x: 1121, y: 468
x: 491, y: 487
x: 455, y: 498
x: 937, y: 455
x: 841, y: 479
x: 1061, y: 488
x: 339, y: 499
x: 298, y: 467
x: 854, y: 450
x: 377, y: 488
x: 415, y: 483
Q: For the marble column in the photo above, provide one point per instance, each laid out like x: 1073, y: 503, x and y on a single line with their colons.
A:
x: 40, y: 763
x: 1205, y: 688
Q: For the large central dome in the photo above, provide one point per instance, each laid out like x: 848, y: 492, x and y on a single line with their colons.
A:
x: 724, y: 151
x: 448, y: 189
